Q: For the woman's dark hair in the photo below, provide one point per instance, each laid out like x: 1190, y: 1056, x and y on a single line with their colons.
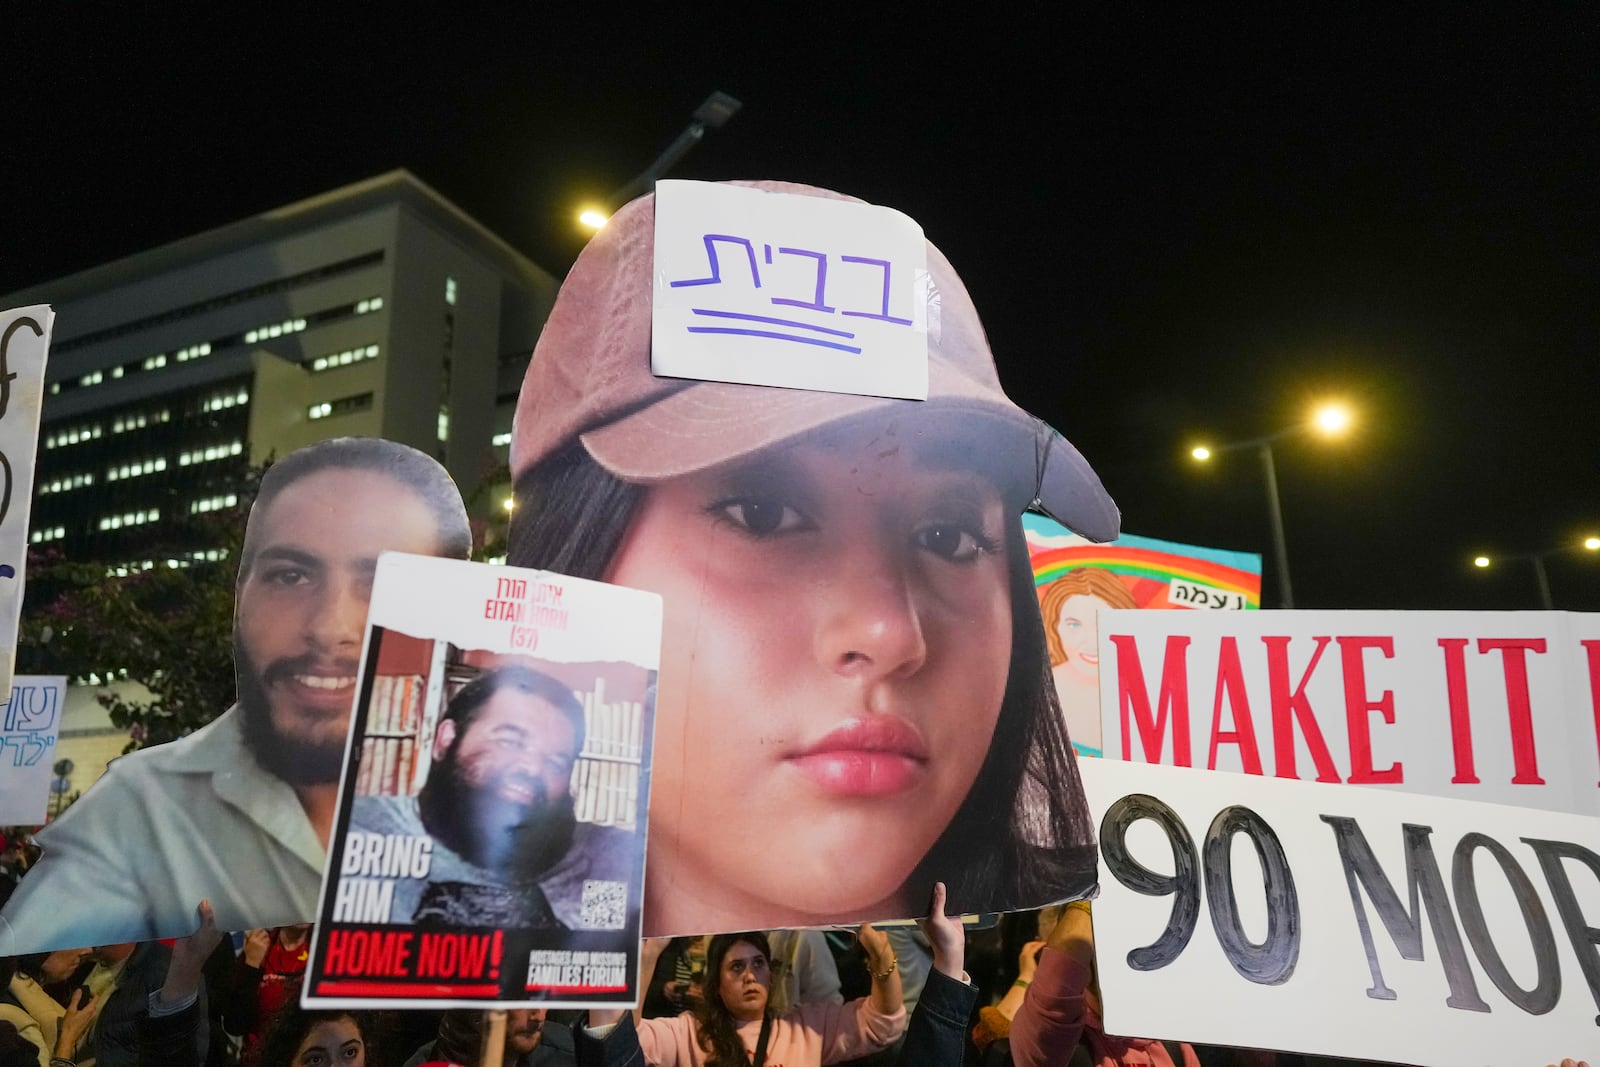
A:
x: 293, y: 1023
x: 718, y: 1030
x: 1023, y: 835
x: 30, y: 964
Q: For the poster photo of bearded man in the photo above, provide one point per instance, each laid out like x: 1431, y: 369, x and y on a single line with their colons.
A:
x: 489, y: 844
x: 240, y: 811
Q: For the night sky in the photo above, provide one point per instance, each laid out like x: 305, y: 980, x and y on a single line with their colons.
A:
x: 1174, y: 226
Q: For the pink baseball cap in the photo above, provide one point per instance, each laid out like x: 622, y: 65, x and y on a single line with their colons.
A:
x: 590, y: 379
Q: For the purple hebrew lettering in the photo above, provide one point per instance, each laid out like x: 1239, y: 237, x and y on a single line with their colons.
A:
x: 711, y: 240
x: 769, y: 320
x: 769, y: 254
x: 882, y: 316
x: 775, y: 336
x: 816, y: 303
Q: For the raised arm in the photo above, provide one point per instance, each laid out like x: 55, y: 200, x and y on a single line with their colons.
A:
x: 887, y: 996
x: 1048, y: 1025
x: 937, y: 1034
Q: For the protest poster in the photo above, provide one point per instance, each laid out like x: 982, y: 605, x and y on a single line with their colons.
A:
x: 489, y: 843
x: 24, y: 347
x: 1502, y: 707
x: 1298, y: 916
x: 30, y: 722
x: 239, y: 811
x: 854, y: 675
x: 1076, y: 579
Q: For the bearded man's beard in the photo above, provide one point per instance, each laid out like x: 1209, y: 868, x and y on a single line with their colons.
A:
x: 296, y: 760
x: 522, y: 840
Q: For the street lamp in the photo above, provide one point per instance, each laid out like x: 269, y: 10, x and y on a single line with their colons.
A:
x: 1330, y: 420
x: 1540, y: 575
x: 712, y: 114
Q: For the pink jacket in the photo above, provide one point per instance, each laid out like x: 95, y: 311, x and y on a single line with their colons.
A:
x: 809, y: 1036
x: 1053, y: 1017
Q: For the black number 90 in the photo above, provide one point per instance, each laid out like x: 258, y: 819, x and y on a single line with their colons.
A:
x: 1269, y: 963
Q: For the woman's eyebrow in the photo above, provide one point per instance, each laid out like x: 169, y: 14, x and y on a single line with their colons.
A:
x: 768, y: 474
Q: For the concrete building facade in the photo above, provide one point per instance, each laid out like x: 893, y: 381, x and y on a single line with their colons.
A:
x: 377, y: 309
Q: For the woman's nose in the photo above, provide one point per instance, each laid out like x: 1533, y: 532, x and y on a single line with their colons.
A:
x: 870, y: 626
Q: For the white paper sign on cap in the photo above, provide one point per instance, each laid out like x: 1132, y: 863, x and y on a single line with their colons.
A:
x: 795, y: 291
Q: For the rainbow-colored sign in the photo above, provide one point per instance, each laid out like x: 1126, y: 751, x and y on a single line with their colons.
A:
x: 1075, y: 578
x: 1159, y: 574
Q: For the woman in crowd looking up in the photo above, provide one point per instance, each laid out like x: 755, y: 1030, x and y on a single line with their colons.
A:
x: 731, y: 1025
x: 319, y: 1039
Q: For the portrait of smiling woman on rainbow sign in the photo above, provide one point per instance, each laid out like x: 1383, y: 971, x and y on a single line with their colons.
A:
x: 854, y: 683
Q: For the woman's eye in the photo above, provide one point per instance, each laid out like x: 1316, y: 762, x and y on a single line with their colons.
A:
x: 763, y: 518
x: 952, y: 542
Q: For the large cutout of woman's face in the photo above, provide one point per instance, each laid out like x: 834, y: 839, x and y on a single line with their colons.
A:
x: 837, y: 639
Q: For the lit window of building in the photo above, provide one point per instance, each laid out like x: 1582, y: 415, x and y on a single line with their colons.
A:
x: 92, y: 378
x: 501, y: 440
x: 210, y: 453
x: 72, y: 436
x: 138, y: 420
x: 184, y: 355
x: 132, y: 518
x: 213, y: 503
x: 450, y: 291
x: 155, y: 362
x: 373, y: 304
x: 345, y: 358
x: 343, y: 406
x: 66, y: 482
x: 47, y: 533
x: 136, y: 468
x: 276, y: 329
x: 443, y: 428
x: 223, y: 401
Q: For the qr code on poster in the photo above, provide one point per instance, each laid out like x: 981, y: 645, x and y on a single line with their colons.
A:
x: 605, y: 905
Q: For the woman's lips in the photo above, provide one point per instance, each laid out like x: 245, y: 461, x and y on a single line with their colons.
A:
x: 871, y: 757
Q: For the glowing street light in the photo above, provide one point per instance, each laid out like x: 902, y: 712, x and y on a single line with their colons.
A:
x: 1540, y: 575
x: 1330, y: 420
x: 712, y: 114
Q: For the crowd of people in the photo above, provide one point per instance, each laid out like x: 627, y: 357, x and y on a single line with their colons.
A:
x: 938, y: 995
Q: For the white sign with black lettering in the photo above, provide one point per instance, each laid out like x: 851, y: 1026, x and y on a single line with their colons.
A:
x: 802, y: 292
x: 1267, y: 913
x: 24, y: 347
